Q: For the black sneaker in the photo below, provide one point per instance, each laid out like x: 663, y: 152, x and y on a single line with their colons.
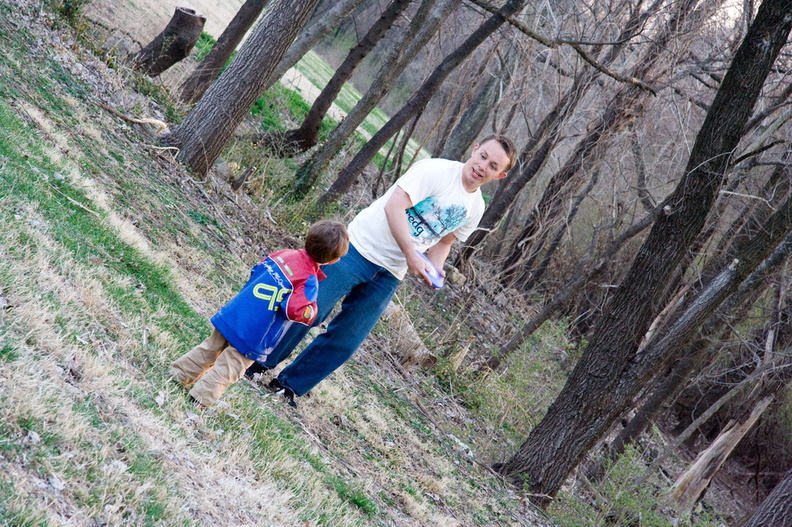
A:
x: 254, y: 369
x: 195, y: 402
x: 288, y: 393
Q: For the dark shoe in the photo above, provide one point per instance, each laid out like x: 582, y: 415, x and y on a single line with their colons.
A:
x: 195, y: 402
x: 254, y: 369
x: 288, y: 393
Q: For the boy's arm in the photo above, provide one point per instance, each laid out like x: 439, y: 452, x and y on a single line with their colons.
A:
x: 439, y: 252
x: 395, y: 209
x: 301, y: 305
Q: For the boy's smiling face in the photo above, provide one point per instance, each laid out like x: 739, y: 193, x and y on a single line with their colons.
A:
x: 488, y: 162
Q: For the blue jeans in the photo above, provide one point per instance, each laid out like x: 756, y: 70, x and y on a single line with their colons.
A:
x: 367, y: 289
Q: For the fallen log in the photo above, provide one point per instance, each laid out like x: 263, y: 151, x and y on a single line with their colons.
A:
x: 691, y: 484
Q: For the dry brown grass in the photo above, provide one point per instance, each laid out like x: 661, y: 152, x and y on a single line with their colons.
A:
x: 53, y: 379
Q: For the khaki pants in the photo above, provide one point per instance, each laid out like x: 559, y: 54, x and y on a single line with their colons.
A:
x: 211, y: 366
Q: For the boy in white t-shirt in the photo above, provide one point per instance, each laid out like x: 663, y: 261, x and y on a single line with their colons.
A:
x: 434, y: 203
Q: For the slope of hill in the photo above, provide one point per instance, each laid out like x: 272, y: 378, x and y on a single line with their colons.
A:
x: 112, y: 260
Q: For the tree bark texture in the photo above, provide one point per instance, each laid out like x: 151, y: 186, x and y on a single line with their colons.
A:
x: 605, y: 379
x: 416, y: 102
x: 771, y: 377
x: 173, y: 44
x: 695, y: 355
x: 741, y: 276
x: 207, y: 129
x: 423, y: 26
x: 776, y: 509
x: 317, y: 29
x: 306, y: 136
x: 210, y: 67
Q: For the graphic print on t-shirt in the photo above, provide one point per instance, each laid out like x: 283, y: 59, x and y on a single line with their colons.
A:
x: 429, y: 219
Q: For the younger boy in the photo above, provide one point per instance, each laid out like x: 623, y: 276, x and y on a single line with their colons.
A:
x: 282, y: 289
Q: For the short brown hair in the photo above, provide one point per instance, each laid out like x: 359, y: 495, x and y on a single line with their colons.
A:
x: 507, y: 145
x: 326, y: 241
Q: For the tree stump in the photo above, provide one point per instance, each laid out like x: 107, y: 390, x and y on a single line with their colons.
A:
x: 409, y: 347
x: 172, y: 45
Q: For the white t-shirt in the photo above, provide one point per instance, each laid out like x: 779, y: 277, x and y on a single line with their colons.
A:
x: 440, y: 205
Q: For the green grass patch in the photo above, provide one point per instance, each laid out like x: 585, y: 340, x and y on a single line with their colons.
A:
x: 624, y: 502
x: 281, y: 108
x: 78, y: 227
x: 13, y: 515
x: 70, y: 11
x: 204, y: 45
x: 354, y: 496
x: 518, y: 396
x: 319, y: 72
x: 201, y: 218
x: 8, y: 353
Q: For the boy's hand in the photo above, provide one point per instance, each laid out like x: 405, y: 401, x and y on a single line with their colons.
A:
x: 417, y: 266
x: 431, y: 275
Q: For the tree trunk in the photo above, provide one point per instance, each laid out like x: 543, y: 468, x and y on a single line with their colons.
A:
x: 585, y: 274
x: 416, y: 102
x: 755, y: 212
x: 776, y: 509
x: 423, y: 26
x: 756, y: 379
x: 408, y: 133
x: 640, y: 168
x: 207, y: 129
x: 695, y: 355
x: 603, y: 382
x: 687, y: 489
x: 555, y: 243
x: 172, y: 45
x: 210, y: 67
x: 469, y: 127
x: 304, y: 137
x: 310, y: 37
x: 560, y: 186
x: 453, y: 102
x: 731, y: 283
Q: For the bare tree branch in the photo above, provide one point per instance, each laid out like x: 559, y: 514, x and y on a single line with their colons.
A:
x: 576, y: 45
